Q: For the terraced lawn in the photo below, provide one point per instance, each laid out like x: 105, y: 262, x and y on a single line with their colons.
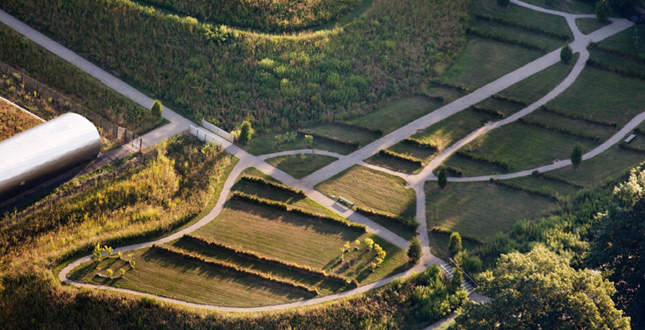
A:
x: 301, y: 165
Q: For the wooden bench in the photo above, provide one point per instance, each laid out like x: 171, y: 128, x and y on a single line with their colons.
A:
x: 345, y: 201
x: 630, y: 138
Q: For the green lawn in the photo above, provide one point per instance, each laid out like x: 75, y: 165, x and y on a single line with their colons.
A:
x: 452, y: 129
x: 522, y: 15
x: 448, y: 94
x: 397, y: 113
x: 299, y: 166
x: 608, y: 96
x: 175, y: 277
x: 506, y: 107
x: 607, y: 166
x: 344, y: 133
x: 519, y: 34
x: 625, y: 40
x: 588, y: 25
x: 394, y: 164
x: 480, y: 209
x: 567, y: 6
x: 544, y: 185
x: 267, y: 144
x: 578, y: 126
x: 536, y: 86
x: 297, y: 239
x: 617, y: 61
x: 484, y: 60
x: 521, y: 146
x: 373, y: 189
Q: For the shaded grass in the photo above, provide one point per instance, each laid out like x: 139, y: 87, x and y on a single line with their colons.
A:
x: 395, y: 164
x: 483, y: 60
x: 172, y: 276
x: 412, y: 150
x: 267, y: 144
x: 608, y: 96
x: 452, y: 129
x: 300, y: 166
x: 439, y: 244
x: 397, y: 113
x: 480, y: 209
x: 506, y: 107
x: 567, y: 6
x: 297, y: 239
x: 516, y: 33
x: 521, y: 146
x: 573, y: 125
x: 588, y: 25
x: 609, y: 165
x: 544, y: 185
x: 625, y: 40
x: 344, y: 133
x: 372, y: 189
x: 617, y: 61
x: 522, y: 15
x: 448, y: 94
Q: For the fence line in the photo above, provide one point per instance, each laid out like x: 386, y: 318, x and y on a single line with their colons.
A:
x: 121, y: 134
x: 226, y: 135
x: 206, y: 136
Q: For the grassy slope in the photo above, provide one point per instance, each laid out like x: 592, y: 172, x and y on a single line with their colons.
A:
x: 268, y: 144
x: 14, y: 121
x: 606, y: 166
x: 521, y: 15
x: 373, y: 189
x: 588, y: 25
x: 480, y: 209
x: 397, y: 113
x: 300, y: 166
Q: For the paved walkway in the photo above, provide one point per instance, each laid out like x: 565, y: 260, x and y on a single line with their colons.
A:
x: 416, y: 182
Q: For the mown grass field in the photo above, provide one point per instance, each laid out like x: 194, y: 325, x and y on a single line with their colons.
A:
x: 609, y: 165
x: 396, y: 114
x: 372, y: 189
x: 588, y: 25
x: 480, y: 209
x: 302, y: 165
x: 267, y: 144
x: 14, y: 121
x: 522, y: 15
x: 538, y: 85
x: 569, y: 6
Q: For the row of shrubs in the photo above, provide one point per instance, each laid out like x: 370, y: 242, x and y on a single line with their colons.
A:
x: 376, y: 131
x: 531, y: 28
x: 626, y: 146
x: 450, y: 171
x: 616, y: 51
x: 501, y: 38
x: 270, y: 184
x: 332, y: 139
x: 411, y: 223
x: 579, y: 117
x: 420, y: 144
x: 439, y: 83
x: 406, y: 158
x: 513, y: 100
x: 448, y: 232
x: 234, y: 268
x: 524, y: 189
x: 550, y: 177
x: 306, y: 270
x: 284, y: 207
x: 488, y: 111
x: 499, y: 163
x: 559, y: 130
x: 639, y: 131
x: 606, y: 67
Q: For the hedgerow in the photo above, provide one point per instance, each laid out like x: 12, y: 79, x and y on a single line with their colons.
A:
x: 231, y: 267
x: 532, y: 28
x: 499, y: 163
x: 279, y: 186
x: 73, y: 83
x: 551, y: 177
x: 411, y: 223
x: 579, y: 117
x: 509, y: 99
x: 606, y: 67
x: 524, y: 189
x: 227, y: 75
x: 284, y: 207
x: 501, y: 38
x: 620, y: 52
x: 252, y: 256
x: 333, y: 139
x: 402, y: 157
x: 420, y: 144
x: 377, y: 131
x: 265, y: 15
x: 488, y: 111
x: 559, y: 130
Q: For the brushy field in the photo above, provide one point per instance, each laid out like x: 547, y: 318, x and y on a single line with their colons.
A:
x: 264, y: 15
x: 65, y: 78
x: 226, y: 74
x: 135, y: 199
x: 14, y: 121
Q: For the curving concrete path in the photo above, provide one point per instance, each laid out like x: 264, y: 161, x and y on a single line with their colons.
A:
x: 416, y: 182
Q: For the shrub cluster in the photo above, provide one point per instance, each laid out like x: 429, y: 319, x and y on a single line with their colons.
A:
x: 228, y: 74
x: 559, y: 130
x: 503, y: 21
x: 620, y: 52
x: 284, y: 207
x: 606, y: 67
x: 73, y: 83
x: 499, y: 163
x: 252, y: 256
x: 406, y: 158
x: 450, y: 171
x: 270, y: 184
x: 332, y: 139
x: 420, y: 144
x: 411, y: 223
x: 488, y: 111
x: 509, y: 99
x: 233, y: 268
x: 579, y: 117
x: 501, y: 38
x: 265, y: 15
x: 377, y: 131
x: 524, y: 189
